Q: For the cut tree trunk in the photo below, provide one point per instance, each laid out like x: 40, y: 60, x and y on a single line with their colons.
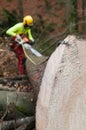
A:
x: 61, y: 103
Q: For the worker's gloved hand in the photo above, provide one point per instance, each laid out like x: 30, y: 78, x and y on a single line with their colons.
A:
x: 31, y: 42
x: 18, y: 38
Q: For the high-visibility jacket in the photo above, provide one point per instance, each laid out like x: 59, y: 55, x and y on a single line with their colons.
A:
x: 20, y: 29
x: 13, y: 31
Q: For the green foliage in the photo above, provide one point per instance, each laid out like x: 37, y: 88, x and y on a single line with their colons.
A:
x: 11, y: 17
x: 38, y: 26
x: 49, y: 27
x: 9, y: 0
x: 23, y: 110
x: 7, y: 20
x: 41, y: 32
x: 47, y: 48
x: 61, y: 4
x: 72, y: 16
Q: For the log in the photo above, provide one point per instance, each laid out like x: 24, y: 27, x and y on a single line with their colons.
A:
x: 61, y: 103
x: 22, y: 127
x: 23, y: 101
x: 35, y: 72
x: 6, y: 88
x: 7, y: 125
x: 19, y: 77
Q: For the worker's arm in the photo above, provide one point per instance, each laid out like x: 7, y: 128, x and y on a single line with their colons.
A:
x: 16, y: 29
x: 11, y: 31
x: 30, y: 35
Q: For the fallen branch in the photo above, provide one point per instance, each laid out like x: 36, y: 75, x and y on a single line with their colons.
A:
x: 22, y: 127
x: 6, y: 125
x: 20, y: 77
x: 5, y: 88
x: 9, y: 84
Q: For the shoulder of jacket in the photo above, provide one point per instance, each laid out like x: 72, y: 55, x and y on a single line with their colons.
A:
x: 19, y: 25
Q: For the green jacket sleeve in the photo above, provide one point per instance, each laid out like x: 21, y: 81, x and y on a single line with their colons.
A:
x: 30, y: 35
x: 16, y: 29
x: 11, y: 31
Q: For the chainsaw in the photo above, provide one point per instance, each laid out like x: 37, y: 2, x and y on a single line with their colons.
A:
x: 29, y: 47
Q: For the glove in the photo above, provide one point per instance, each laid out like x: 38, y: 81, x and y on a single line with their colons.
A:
x: 18, y: 38
x: 31, y: 42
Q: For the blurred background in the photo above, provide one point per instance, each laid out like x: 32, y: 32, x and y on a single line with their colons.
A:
x: 53, y: 20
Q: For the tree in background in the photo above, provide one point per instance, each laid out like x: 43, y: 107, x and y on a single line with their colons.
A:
x: 20, y: 9
x: 83, y: 15
x: 72, y: 16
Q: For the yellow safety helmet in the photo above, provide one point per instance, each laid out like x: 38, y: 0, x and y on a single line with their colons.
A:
x: 28, y: 20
